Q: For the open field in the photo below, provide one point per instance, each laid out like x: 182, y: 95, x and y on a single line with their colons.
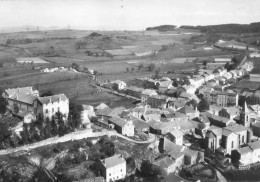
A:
x: 110, y: 99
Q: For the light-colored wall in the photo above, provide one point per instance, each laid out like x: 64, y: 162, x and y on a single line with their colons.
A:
x: 233, y: 137
x: 128, y: 130
x: 53, y: 108
x: 116, y: 172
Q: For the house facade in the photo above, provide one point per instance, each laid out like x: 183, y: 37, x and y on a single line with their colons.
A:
x: 113, y: 168
x: 49, y: 106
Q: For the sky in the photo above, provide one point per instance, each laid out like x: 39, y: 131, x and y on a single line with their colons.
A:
x: 126, y: 14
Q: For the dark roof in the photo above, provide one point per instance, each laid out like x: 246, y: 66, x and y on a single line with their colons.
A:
x: 25, y: 98
x: 164, y: 161
x: 118, y: 121
x: 53, y: 98
x: 187, y: 109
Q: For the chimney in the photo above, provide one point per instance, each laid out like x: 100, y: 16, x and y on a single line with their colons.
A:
x: 59, y: 98
x: 49, y: 99
x: 18, y: 89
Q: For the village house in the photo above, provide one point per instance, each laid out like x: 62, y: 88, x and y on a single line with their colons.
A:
x: 247, y: 155
x: 234, y: 136
x: 146, y: 94
x: 157, y: 101
x: 256, y: 129
x: 87, y: 113
x: 162, y: 128
x: 118, y: 85
x: 223, y: 99
x: 122, y: 126
x: 49, y: 106
x: 229, y: 141
x: 214, y: 109
x: 191, y: 89
x: 113, y: 168
x: 23, y: 97
x: 189, y: 111
x: 213, y: 137
x: 172, y: 160
x: 140, y: 126
x: 176, y: 104
x: 175, y: 116
x: 176, y: 136
x: 134, y: 91
x: 220, y: 121
x: 163, y: 86
x: 229, y: 112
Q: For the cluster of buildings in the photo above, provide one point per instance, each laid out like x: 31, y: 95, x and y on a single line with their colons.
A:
x: 30, y: 104
x: 167, y: 111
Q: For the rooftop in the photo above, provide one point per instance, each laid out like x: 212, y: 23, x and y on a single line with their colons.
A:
x: 113, y: 161
x: 187, y: 110
x: 23, y: 97
x: 236, y: 128
x: 118, y: 121
x: 53, y: 98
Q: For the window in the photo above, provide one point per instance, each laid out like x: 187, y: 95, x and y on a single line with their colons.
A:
x: 121, y: 170
x: 46, y: 111
x: 52, y: 109
x: 59, y: 109
x: 243, y: 139
x: 109, y: 174
x: 232, y: 144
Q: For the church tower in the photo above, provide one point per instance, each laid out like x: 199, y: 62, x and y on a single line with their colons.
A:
x: 244, y: 116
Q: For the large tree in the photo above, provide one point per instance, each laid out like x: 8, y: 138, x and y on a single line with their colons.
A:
x: 3, y: 104
x: 203, y: 105
x: 75, y: 112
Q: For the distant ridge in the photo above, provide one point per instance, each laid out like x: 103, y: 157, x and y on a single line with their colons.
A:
x: 227, y: 28
x: 162, y: 28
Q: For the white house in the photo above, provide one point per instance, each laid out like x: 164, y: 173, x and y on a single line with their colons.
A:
x: 87, y: 113
x: 118, y: 84
x: 122, y: 126
x: 254, y: 55
x: 113, y: 168
x: 49, y: 106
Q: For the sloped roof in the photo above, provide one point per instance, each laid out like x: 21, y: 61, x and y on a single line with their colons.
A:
x: 164, y: 161
x: 53, y: 98
x: 117, y: 111
x: 254, y: 145
x: 216, y: 130
x: 25, y: 90
x: 189, y: 152
x: 135, y: 89
x: 187, y: 110
x: 113, y: 161
x: 104, y: 112
x: 201, y: 119
x: 236, y: 128
x: 23, y: 97
x: 177, y: 151
x: 118, y: 121
x: 189, y: 124
x: 138, y: 123
x: 244, y: 150
x: 101, y: 106
x: 176, y: 133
